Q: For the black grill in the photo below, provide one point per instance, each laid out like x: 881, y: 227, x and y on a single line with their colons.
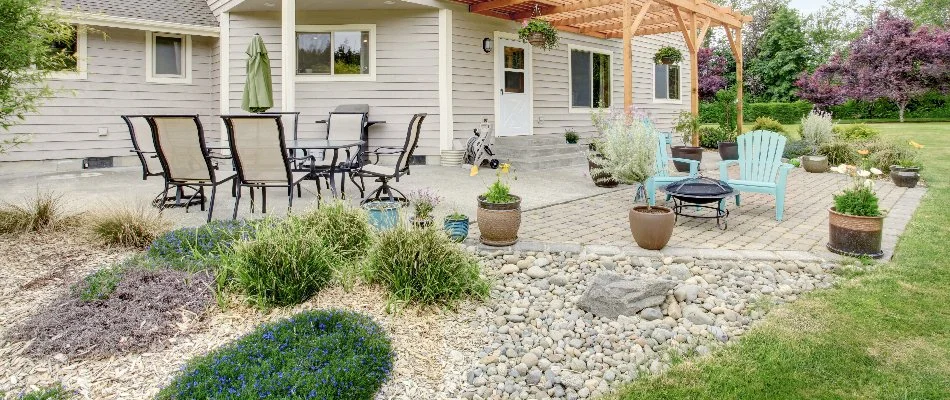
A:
x: 699, y: 190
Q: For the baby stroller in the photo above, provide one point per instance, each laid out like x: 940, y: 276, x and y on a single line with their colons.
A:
x: 479, y: 148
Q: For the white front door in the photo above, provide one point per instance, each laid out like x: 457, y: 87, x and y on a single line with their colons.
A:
x: 512, y: 88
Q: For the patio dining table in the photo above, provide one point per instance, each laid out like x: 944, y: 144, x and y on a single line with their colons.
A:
x: 334, y: 167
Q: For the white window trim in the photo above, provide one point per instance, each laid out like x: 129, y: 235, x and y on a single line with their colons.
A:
x: 653, y: 87
x: 81, y: 72
x: 150, y: 59
x: 339, y: 78
x: 570, y: 85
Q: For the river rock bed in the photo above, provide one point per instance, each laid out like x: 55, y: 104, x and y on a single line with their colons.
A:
x: 538, y: 343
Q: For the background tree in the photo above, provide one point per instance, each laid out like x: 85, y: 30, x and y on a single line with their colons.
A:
x: 712, y: 73
x: 924, y: 12
x: 28, y: 30
x: 825, y: 86
x: 782, y: 54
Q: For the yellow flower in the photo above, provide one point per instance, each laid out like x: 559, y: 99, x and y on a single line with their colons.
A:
x: 505, y: 167
x: 916, y: 145
x: 474, y: 171
x: 864, y: 152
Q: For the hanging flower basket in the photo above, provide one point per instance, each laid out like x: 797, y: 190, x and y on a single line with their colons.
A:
x: 668, y: 55
x: 539, y: 33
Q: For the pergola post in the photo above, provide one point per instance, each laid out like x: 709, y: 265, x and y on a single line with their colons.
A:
x: 739, y: 66
x: 694, y: 74
x: 627, y: 56
x: 288, y: 54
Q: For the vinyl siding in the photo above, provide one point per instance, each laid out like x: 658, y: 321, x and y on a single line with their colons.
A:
x: 66, y: 126
x: 407, y: 79
x: 474, y: 88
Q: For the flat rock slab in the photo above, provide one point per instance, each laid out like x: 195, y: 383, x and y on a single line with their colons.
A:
x: 610, y: 295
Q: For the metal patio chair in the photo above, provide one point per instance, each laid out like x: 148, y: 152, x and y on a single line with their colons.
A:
x: 180, y: 144
x: 261, y: 157
x: 383, y: 174
x: 345, y: 126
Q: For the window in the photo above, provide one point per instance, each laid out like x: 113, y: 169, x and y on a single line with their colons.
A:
x: 74, y: 65
x: 168, y: 58
x: 590, y: 79
x: 342, y: 52
x: 666, y: 82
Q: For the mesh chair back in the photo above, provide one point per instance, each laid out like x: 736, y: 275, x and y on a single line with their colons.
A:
x: 412, y: 141
x: 289, y: 119
x: 346, y: 126
x: 257, y: 145
x: 141, y: 133
x: 179, y: 141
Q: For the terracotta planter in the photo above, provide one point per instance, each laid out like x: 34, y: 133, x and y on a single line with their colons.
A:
x: 498, y: 224
x: 687, y: 152
x: 854, y: 236
x: 729, y: 150
x: 536, y: 39
x: 651, y: 230
x: 815, y: 164
x: 601, y: 179
x: 905, y: 176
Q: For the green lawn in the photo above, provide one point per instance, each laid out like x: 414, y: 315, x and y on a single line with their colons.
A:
x: 883, y: 334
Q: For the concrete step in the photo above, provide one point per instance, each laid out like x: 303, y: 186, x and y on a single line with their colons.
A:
x: 539, y: 151
x: 547, y: 162
x: 534, y: 140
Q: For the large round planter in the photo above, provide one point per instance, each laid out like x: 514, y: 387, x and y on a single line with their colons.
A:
x: 815, y: 164
x: 905, y: 176
x: 457, y: 229
x: 652, y: 227
x: 383, y: 215
x: 536, y: 39
x: 601, y: 179
x: 854, y: 236
x: 498, y: 224
x: 729, y: 150
x: 687, y: 152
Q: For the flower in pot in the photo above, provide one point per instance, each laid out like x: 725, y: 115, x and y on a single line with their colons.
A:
x: 499, y: 211
x: 668, y: 55
x: 539, y: 33
x: 601, y: 178
x: 383, y: 215
x: 817, y: 130
x: 688, y: 126
x: 906, y: 173
x: 423, y: 202
x: 456, y: 226
x: 571, y: 136
x: 629, y: 146
x: 856, y: 223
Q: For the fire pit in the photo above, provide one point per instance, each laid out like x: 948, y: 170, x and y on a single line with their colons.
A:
x: 695, y: 193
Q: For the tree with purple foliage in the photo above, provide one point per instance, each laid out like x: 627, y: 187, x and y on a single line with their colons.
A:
x: 825, y: 86
x: 712, y: 73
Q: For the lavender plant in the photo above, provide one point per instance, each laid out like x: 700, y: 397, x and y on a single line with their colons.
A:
x: 817, y: 129
x: 424, y: 201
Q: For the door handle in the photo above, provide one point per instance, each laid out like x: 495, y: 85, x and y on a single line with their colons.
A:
x: 502, y: 91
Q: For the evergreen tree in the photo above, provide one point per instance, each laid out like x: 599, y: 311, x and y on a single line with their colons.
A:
x: 782, y: 55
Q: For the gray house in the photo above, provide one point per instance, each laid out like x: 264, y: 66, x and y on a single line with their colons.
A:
x: 399, y: 56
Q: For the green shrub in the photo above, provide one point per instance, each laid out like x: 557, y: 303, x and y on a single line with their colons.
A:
x: 857, y: 132
x: 284, y: 263
x: 424, y: 266
x: 571, y: 136
x: 193, y: 249
x: 930, y: 105
x: 342, y: 226
x: 710, y: 136
x: 796, y: 149
x: 883, y: 153
x: 40, y: 213
x: 54, y: 392
x: 859, y: 201
x: 785, y: 113
x: 839, y: 152
x: 127, y: 227
x: 768, y: 124
x: 99, y: 285
x: 325, y: 354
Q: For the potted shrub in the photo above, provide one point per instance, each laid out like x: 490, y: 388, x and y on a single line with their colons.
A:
x: 594, y: 158
x: 688, y: 126
x: 668, y: 55
x: 571, y: 137
x: 855, y: 223
x: 539, y: 33
x: 817, y: 130
x: 724, y: 139
x: 629, y: 147
x: 423, y: 202
x: 499, y: 211
x: 383, y: 215
x: 906, y: 173
x: 456, y: 226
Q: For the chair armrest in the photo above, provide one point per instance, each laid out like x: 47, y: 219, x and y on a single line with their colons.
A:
x: 783, y: 171
x: 222, y: 157
x: 693, y: 165
x: 320, y: 121
x: 724, y: 169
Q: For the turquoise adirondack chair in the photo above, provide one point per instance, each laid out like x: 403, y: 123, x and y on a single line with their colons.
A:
x: 761, y: 169
x: 662, y: 176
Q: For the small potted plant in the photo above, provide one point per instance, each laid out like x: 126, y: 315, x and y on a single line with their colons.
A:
x: 817, y: 130
x: 499, y: 211
x: 539, y: 33
x: 383, y: 215
x: 629, y: 147
x: 668, y: 55
x: 856, y: 223
x: 571, y: 136
x: 906, y: 173
x: 456, y: 226
x: 687, y: 125
x: 423, y: 202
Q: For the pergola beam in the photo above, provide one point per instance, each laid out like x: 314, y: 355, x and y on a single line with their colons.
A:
x: 494, y: 5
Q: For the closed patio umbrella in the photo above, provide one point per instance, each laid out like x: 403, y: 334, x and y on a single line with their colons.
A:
x: 258, y: 91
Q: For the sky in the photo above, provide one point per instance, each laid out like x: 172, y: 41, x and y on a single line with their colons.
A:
x: 807, y: 6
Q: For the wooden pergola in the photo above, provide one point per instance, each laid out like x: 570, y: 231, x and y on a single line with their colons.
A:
x: 628, y: 18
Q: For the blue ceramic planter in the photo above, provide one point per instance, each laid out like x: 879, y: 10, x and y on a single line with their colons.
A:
x: 383, y: 215
x: 457, y: 229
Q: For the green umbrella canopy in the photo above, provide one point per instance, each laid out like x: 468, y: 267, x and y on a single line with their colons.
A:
x: 258, y: 91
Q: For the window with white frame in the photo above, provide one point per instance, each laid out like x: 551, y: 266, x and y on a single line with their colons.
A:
x: 73, y: 64
x: 168, y: 58
x: 338, y: 52
x: 666, y: 82
x: 590, y: 78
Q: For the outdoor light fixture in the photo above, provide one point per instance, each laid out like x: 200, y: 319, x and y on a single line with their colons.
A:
x: 487, y: 45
